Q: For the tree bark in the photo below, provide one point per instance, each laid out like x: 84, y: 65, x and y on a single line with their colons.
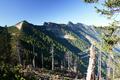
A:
x: 91, y: 65
x: 52, y: 52
x: 99, y: 66
x: 68, y: 54
x: 75, y: 65
x: 109, y: 68
x: 33, y: 61
x: 42, y: 60
x: 18, y: 51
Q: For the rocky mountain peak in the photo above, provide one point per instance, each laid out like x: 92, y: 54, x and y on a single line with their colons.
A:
x: 70, y: 23
x: 19, y: 25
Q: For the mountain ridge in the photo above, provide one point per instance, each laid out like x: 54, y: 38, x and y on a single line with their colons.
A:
x: 33, y: 44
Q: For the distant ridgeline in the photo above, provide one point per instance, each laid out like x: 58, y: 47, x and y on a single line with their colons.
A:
x: 28, y: 44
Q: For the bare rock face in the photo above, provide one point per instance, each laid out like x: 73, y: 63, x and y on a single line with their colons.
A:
x: 19, y: 25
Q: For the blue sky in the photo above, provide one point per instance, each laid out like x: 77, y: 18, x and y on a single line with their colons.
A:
x: 39, y: 11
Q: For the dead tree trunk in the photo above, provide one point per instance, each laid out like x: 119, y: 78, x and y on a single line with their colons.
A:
x: 68, y: 54
x: 62, y: 65
x: 91, y: 65
x: 34, y: 54
x: 108, y: 68
x: 99, y: 66
x: 33, y: 61
x: 42, y: 60
x: 75, y: 65
x: 18, y: 51
x: 113, y: 66
x: 52, y: 52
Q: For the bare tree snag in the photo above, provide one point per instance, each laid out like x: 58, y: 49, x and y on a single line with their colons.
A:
x: 91, y: 65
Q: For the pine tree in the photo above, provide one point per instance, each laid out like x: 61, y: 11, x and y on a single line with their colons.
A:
x: 111, y: 9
